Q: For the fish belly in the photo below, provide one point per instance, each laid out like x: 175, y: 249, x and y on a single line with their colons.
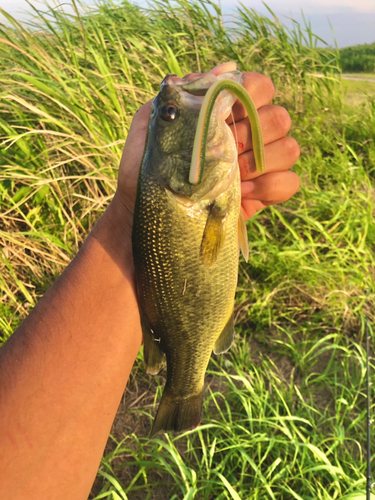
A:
x: 186, y: 303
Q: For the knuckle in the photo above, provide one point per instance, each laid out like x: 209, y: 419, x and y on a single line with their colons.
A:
x: 293, y: 149
x: 287, y: 186
x: 269, y: 87
x: 246, y: 164
x: 260, y: 84
x: 295, y: 183
x: 282, y: 119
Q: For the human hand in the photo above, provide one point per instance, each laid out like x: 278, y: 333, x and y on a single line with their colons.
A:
x: 276, y: 185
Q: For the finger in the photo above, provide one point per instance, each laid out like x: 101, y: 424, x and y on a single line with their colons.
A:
x: 275, y: 187
x: 192, y: 75
x: 251, y: 207
x: 280, y: 155
x: 268, y: 189
x: 275, y: 123
x: 140, y: 121
x: 136, y: 139
x: 261, y: 90
x: 224, y: 68
x: 221, y: 68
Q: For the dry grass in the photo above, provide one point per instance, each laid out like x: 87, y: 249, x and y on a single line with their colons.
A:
x: 284, y: 413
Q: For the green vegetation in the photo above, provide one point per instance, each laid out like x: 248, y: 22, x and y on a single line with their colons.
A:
x: 357, y: 92
x: 358, y: 59
x: 284, y: 415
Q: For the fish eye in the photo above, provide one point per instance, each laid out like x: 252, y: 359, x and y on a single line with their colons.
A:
x: 168, y: 112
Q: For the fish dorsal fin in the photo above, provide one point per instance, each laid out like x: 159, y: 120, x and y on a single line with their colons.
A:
x: 243, y: 237
x: 213, y: 235
x: 152, y: 352
x: 224, y: 342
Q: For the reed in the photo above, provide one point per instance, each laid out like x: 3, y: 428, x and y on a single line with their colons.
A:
x: 285, y: 412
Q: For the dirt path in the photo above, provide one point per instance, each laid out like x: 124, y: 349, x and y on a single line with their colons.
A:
x: 346, y: 77
x: 358, y: 79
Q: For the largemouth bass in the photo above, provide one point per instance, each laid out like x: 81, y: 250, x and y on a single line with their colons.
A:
x: 186, y: 236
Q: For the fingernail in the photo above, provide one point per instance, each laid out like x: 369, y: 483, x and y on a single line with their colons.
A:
x: 247, y: 187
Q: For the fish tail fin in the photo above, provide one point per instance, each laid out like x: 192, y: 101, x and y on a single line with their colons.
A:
x: 178, y: 414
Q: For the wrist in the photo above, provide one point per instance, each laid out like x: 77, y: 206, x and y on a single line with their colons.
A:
x: 113, y: 233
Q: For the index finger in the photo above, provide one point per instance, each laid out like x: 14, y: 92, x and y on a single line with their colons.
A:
x: 224, y: 68
x: 261, y: 90
x: 217, y: 70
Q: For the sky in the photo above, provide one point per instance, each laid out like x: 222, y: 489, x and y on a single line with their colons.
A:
x: 353, y: 21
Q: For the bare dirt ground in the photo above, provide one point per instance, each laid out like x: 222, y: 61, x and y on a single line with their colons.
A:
x: 358, y: 78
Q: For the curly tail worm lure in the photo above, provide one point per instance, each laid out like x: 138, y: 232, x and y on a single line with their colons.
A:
x: 200, y: 141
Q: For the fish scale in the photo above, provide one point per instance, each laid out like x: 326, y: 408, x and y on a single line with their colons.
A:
x: 168, y: 253
x: 185, y: 301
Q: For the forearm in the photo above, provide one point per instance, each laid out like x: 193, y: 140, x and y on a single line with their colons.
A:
x: 64, y: 371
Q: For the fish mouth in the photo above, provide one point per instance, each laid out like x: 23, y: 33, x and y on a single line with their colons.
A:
x: 201, y: 83
x: 197, y: 84
x: 171, y: 80
x: 192, y: 88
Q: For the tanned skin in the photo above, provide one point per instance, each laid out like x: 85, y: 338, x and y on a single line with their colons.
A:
x: 64, y: 371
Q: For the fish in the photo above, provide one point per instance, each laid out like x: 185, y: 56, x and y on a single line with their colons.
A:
x: 188, y: 228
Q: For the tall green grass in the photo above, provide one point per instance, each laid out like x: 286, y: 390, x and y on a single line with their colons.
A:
x: 284, y: 415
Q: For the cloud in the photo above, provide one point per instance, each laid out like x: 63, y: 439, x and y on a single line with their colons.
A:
x: 287, y: 6
x: 343, y: 5
x: 313, y: 6
x: 353, y: 21
x: 21, y: 8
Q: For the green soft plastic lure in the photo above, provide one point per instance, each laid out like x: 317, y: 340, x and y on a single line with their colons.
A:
x: 200, y: 142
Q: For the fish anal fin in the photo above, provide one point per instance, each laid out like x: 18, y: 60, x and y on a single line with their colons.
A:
x: 213, y: 235
x: 243, y: 237
x: 152, y: 352
x: 225, y: 340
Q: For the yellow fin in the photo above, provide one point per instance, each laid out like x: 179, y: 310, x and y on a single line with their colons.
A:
x: 225, y: 340
x: 214, y: 235
x: 242, y: 236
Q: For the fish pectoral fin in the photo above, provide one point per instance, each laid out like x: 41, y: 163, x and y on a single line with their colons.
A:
x: 224, y: 342
x: 243, y: 237
x: 152, y: 352
x: 213, y: 235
